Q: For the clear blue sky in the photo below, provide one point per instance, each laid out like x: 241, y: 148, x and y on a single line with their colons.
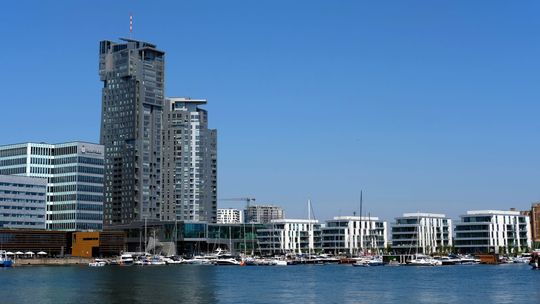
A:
x: 426, y: 106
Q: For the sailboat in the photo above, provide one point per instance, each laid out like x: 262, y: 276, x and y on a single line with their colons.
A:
x: 421, y: 259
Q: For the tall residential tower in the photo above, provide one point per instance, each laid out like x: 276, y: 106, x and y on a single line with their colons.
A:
x: 132, y: 100
x: 189, y: 162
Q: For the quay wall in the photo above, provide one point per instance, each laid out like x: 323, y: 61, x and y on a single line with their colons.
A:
x: 52, y: 261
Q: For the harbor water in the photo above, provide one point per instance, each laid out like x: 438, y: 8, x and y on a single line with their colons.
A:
x: 272, y: 284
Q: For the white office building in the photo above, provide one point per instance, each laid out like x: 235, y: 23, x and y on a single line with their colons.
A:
x: 493, y: 231
x: 74, y: 174
x: 354, y: 235
x: 230, y: 216
x: 290, y: 236
x: 425, y: 233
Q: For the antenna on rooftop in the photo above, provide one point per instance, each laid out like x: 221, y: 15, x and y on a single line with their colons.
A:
x: 130, y: 25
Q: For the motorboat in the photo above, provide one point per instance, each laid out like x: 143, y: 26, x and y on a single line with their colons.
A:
x: 5, y: 261
x: 173, y: 260
x: 126, y: 260
x: 278, y: 262
x: 97, y: 263
x: 226, y: 262
x: 376, y: 261
x: 423, y: 260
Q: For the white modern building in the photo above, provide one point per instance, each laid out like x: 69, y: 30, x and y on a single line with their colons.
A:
x: 22, y: 202
x: 354, y: 235
x: 74, y: 174
x: 230, y: 216
x: 425, y: 233
x: 493, y: 231
x: 290, y: 236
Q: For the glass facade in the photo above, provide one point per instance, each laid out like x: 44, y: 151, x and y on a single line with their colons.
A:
x: 74, y: 173
x: 132, y: 99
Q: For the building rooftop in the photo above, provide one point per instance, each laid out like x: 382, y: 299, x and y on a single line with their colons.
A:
x: 419, y: 214
x: 355, y: 218
x: 492, y: 212
x: 294, y: 221
x: 187, y: 100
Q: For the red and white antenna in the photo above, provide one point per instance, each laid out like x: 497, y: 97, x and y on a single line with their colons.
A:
x: 130, y: 25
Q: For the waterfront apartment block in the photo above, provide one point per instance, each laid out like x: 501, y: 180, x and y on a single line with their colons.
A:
x: 133, y: 78
x: 22, y: 202
x: 290, y: 236
x: 263, y: 214
x: 492, y: 231
x: 189, y: 163
x: 425, y: 233
x: 230, y: 216
x: 354, y: 235
x: 74, y: 174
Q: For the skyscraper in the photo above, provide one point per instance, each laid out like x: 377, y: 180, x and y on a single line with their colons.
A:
x: 189, y: 162
x: 132, y: 100
x: 74, y: 173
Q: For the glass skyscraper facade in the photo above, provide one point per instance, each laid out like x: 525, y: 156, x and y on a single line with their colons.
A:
x: 74, y: 174
x: 133, y: 75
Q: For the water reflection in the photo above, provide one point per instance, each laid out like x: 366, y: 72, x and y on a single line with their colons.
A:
x: 291, y: 284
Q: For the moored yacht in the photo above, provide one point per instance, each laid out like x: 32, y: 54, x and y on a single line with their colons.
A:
x: 423, y: 260
x: 5, y: 261
x: 126, y: 259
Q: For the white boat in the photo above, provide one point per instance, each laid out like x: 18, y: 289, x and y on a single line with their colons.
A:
x: 198, y: 260
x: 279, y: 262
x: 226, y: 261
x: 525, y: 258
x: 376, y: 261
x: 423, y: 260
x: 126, y: 260
x: 468, y: 260
x: 173, y: 261
x: 97, y: 263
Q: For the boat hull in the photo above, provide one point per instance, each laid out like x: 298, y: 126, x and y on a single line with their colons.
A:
x: 6, y: 263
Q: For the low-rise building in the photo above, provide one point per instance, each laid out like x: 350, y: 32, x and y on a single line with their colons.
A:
x: 354, y: 235
x: 425, y: 233
x: 493, y: 231
x: 290, y: 236
x: 230, y: 216
x: 22, y: 202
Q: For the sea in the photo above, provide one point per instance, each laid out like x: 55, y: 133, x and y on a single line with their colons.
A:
x: 512, y: 283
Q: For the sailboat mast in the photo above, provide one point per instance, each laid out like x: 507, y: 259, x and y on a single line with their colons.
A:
x: 309, y: 228
x: 360, y: 234
x: 145, y: 234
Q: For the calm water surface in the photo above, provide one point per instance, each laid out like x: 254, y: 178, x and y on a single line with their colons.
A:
x: 291, y: 284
